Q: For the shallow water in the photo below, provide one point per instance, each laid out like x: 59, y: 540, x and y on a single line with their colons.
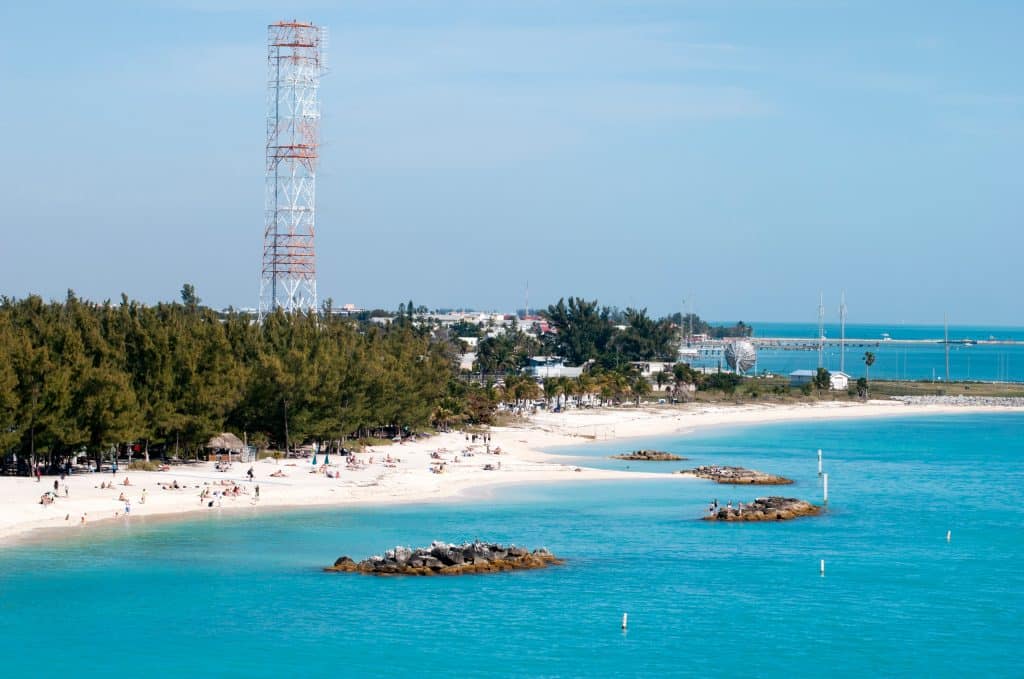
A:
x: 243, y: 596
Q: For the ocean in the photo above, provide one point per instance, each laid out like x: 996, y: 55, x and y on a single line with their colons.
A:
x: 243, y: 594
x: 893, y: 360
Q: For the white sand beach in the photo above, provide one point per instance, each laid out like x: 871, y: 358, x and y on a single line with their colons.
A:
x: 398, y: 473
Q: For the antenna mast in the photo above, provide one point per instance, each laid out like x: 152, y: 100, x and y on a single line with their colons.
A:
x: 945, y: 323
x: 295, y: 63
x: 842, y: 332
x: 821, y: 330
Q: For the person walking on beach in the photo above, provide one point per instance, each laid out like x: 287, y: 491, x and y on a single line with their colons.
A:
x: 257, y: 491
x: 250, y: 473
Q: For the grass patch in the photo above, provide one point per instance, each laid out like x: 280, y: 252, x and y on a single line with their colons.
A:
x: 143, y: 466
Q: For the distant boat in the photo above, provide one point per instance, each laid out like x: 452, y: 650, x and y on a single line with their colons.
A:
x: 885, y: 337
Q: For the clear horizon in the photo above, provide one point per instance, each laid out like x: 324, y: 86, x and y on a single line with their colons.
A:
x: 746, y: 155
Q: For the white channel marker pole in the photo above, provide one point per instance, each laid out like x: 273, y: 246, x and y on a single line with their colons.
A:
x: 819, y: 461
x: 625, y: 617
x: 822, y: 568
x: 825, y: 479
x: 949, y: 535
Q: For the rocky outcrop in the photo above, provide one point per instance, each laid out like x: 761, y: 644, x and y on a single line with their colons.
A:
x: 648, y: 456
x: 738, y: 476
x: 446, y: 559
x: 765, y: 509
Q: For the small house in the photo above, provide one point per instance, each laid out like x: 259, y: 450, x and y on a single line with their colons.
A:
x: 840, y: 381
x: 799, y: 378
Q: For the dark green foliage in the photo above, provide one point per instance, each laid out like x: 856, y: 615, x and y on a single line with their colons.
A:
x: 726, y: 382
x: 77, y: 375
x: 823, y: 379
x: 584, y: 329
x: 684, y: 374
x: 645, y: 339
x: 505, y: 353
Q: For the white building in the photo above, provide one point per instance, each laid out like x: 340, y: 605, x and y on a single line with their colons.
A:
x: 840, y: 381
x: 651, y: 368
x: 542, y: 367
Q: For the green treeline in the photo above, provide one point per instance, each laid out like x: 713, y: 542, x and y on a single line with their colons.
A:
x: 584, y: 331
x: 77, y: 376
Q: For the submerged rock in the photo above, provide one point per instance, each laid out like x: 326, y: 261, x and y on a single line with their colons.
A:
x: 648, y: 456
x: 738, y: 476
x: 447, y: 559
x: 773, y: 508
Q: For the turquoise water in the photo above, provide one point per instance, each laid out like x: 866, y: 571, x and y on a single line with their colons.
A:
x: 981, y: 362
x: 243, y: 596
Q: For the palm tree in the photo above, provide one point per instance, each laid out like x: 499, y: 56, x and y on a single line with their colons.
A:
x: 640, y: 387
x: 552, y: 388
x: 660, y: 377
x: 569, y: 389
x: 509, y: 389
x: 584, y: 387
x: 869, y: 360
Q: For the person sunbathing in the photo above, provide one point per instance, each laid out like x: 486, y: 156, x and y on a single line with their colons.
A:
x: 278, y: 474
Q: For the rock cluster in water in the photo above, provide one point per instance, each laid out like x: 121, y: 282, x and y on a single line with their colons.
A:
x: 765, y: 509
x: 446, y: 559
x: 738, y: 475
x: 649, y: 456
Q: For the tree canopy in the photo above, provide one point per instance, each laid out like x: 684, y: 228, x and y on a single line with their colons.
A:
x: 80, y: 376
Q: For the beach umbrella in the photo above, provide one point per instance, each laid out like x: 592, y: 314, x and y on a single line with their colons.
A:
x: 327, y: 458
x: 314, y: 459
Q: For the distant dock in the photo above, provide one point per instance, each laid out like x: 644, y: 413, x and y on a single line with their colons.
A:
x: 807, y: 343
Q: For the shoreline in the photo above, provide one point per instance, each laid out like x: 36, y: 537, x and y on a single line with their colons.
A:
x: 406, y: 479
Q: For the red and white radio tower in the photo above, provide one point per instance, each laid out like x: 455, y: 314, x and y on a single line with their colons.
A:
x: 296, y: 61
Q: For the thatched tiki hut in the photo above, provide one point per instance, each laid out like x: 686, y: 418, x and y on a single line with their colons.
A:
x: 225, y: 446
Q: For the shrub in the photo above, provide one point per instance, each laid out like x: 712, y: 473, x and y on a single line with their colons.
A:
x: 143, y: 466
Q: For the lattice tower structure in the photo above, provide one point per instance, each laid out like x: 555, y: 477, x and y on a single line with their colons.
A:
x: 295, y: 60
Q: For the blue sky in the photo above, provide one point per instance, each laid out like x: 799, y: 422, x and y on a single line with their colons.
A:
x: 747, y: 154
